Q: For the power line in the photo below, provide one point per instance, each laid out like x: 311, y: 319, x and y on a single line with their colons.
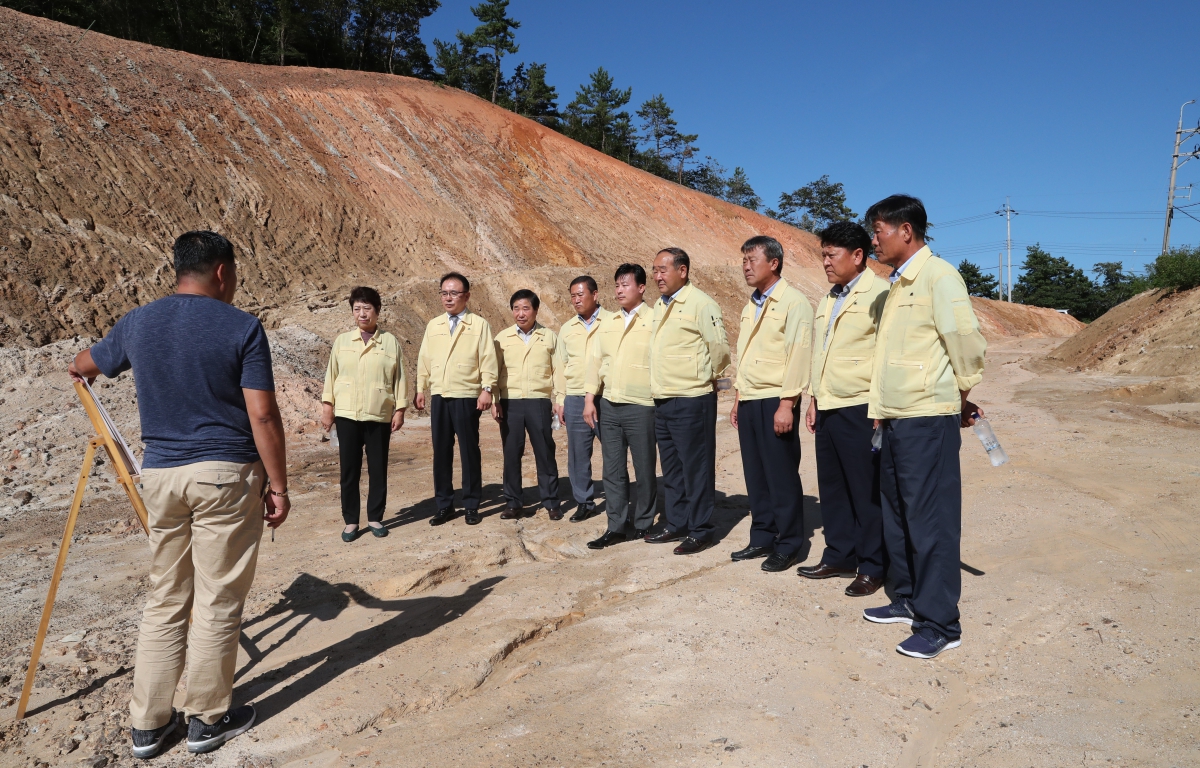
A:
x: 1180, y: 135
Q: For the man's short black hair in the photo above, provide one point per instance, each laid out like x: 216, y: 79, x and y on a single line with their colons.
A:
x: 847, y: 234
x: 367, y: 296
x: 527, y: 294
x: 900, y: 209
x: 199, y: 252
x: 466, y: 284
x: 679, y: 257
x: 587, y: 280
x: 639, y: 274
x: 770, y: 247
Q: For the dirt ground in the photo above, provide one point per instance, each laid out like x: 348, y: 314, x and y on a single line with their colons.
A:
x: 511, y: 644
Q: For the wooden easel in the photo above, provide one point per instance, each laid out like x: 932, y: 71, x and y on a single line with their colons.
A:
x: 117, y: 454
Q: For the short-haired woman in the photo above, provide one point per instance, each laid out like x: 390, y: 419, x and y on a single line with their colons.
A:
x: 365, y: 396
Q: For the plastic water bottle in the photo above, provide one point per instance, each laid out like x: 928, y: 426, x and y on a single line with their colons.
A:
x: 983, y: 430
x: 333, y: 438
x: 877, y: 439
x: 555, y: 424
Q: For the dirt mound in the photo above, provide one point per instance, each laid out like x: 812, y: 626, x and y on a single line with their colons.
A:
x: 1153, y: 334
x: 1001, y: 319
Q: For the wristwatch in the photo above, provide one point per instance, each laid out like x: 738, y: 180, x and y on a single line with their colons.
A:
x: 488, y: 390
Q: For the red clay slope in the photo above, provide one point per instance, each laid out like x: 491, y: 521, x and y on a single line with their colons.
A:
x: 109, y: 149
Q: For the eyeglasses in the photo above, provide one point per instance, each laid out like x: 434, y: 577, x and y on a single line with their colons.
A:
x: 451, y: 294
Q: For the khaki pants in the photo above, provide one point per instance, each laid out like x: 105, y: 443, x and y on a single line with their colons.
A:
x: 205, y: 525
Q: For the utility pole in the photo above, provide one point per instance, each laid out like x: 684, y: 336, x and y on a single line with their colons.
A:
x: 1000, y: 275
x: 1007, y: 212
x: 1180, y: 135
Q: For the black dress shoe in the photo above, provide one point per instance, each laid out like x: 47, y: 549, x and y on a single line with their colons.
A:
x: 778, y: 562
x: 823, y: 571
x: 664, y: 536
x: 639, y: 533
x: 473, y: 517
x: 607, y: 540
x: 442, y: 517
x: 556, y: 513
x: 583, y: 512
x: 690, y: 546
x: 864, y: 585
x: 510, y: 513
x: 749, y: 553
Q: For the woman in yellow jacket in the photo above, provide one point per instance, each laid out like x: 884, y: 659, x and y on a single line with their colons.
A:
x: 365, y: 397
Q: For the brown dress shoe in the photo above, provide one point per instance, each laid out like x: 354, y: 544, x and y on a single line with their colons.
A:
x: 823, y: 571
x: 664, y: 536
x: 864, y: 585
x: 510, y: 513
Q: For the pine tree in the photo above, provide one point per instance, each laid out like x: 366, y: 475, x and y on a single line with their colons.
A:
x: 814, y: 206
x: 739, y: 192
x: 497, y: 33
x: 596, y: 117
x: 978, y: 283
x: 532, y: 97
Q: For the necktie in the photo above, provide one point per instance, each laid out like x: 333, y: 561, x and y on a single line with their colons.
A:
x: 453, y: 323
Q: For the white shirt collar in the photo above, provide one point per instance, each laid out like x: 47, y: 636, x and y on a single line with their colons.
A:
x: 526, y: 336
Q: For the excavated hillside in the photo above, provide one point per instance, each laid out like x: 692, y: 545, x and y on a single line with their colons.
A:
x: 322, y: 179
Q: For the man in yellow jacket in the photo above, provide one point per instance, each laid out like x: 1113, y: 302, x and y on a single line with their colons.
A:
x: 618, y: 374
x: 531, y: 378
x: 687, y: 355
x: 575, y: 337
x: 928, y: 355
x: 457, y: 362
x: 773, y: 367
x: 847, y: 468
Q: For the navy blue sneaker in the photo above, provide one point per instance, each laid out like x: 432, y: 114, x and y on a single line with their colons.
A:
x: 926, y: 643
x: 148, y: 743
x: 896, y: 613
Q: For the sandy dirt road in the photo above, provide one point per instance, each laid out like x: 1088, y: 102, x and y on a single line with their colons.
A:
x: 511, y: 644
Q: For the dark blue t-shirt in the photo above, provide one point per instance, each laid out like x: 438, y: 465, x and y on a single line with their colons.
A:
x: 191, y: 357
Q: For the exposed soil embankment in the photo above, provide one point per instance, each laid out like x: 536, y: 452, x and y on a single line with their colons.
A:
x: 1156, y: 333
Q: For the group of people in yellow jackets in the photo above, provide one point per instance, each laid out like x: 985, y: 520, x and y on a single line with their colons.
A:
x: 888, y: 364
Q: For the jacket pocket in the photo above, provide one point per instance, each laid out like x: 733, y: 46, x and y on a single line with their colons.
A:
x: 848, y: 376
x: 903, y: 383
x: 380, y: 402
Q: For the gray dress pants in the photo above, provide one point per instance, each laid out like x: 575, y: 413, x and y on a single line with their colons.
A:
x: 580, y: 440
x: 626, y: 426
x: 528, y: 417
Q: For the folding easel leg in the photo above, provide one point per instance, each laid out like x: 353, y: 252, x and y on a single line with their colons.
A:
x: 58, y: 570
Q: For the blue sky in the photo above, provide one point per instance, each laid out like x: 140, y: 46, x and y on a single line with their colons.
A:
x: 1062, y: 106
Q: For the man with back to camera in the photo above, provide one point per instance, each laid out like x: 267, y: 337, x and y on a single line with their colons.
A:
x: 618, y: 372
x: 928, y: 355
x: 575, y: 337
x: 847, y: 468
x: 457, y: 361
x: 773, y: 365
x: 214, y: 467
x: 531, y: 377
x: 687, y: 355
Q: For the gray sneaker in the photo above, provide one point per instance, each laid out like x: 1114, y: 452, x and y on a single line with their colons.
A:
x: 147, y: 744
x: 206, y: 738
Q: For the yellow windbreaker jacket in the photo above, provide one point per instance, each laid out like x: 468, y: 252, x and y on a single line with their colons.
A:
x: 929, y: 347
x: 530, y: 371
x: 459, y: 365
x: 689, y: 349
x: 619, y: 360
x: 773, y: 358
x: 841, y: 372
x: 575, y: 339
x: 365, y: 382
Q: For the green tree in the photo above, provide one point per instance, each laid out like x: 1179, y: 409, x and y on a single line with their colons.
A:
x: 659, y: 129
x: 461, y: 65
x: 496, y: 33
x: 739, y: 192
x: 596, y: 117
x: 978, y: 283
x: 1178, y: 269
x: 532, y: 97
x: 814, y: 206
x: 1052, y: 281
x: 709, y: 177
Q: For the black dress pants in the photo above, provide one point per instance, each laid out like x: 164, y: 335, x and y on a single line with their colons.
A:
x: 450, y: 418
x: 848, y: 476
x: 530, y: 416
x: 771, y: 464
x: 686, y: 431
x: 353, y: 436
x: 920, y: 486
